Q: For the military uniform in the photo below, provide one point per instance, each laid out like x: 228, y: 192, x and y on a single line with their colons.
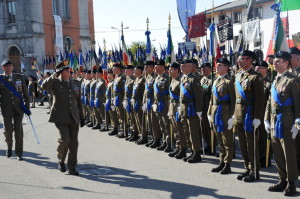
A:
x: 112, y: 112
x: 282, y: 117
x: 221, y: 109
x: 249, y: 91
x: 31, y: 92
x: 12, y: 111
x: 137, y: 103
x: 152, y: 120
x: 160, y: 107
x: 99, y: 101
x: 118, y: 97
x: 191, y: 102
x: 66, y: 113
x: 93, y: 109
x: 86, y: 107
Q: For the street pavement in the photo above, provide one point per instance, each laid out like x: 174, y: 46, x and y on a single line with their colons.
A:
x: 114, y: 168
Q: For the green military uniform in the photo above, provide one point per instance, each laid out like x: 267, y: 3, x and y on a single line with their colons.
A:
x: 137, y: 102
x: 206, y: 83
x: 152, y: 120
x: 12, y: 112
x: 100, y: 100
x: 160, y: 105
x: 182, y: 141
x: 108, y: 103
x: 31, y: 92
x: 252, y: 86
x: 263, y: 135
x: 287, y: 87
x: 93, y: 109
x: 221, y: 109
x: 191, y: 102
x: 86, y: 107
x: 66, y: 113
x: 118, y: 97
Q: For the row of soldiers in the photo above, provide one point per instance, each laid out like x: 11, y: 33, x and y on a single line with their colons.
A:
x: 183, y: 105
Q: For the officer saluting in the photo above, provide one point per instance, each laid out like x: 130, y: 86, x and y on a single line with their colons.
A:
x: 66, y: 113
x: 284, y: 113
x: 12, y: 107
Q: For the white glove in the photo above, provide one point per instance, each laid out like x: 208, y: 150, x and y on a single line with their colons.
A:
x: 256, y: 123
x: 294, y: 131
x: 230, y: 123
x: 113, y: 108
x: 199, y: 115
x: 208, y: 117
x: 144, y: 107
x: 297, y: 123
x: 267, y: 126
x: 125, y: 103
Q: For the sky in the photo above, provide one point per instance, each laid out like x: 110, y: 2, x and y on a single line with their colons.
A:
x: 133, y: 14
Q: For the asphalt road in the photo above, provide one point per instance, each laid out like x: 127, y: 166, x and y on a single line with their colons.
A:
x: 113, y: 168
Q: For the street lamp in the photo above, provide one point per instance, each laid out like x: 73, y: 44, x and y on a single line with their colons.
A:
x: 119, y: 30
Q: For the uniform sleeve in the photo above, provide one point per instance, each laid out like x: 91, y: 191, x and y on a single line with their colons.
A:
x: 259, y: 96
x: 267, y: 115
x: 79, y: 102
x: 296, y: 96
x: 48, y: 84
x: 232, y: 96
x: 25, y: 93
x: 198, y: 92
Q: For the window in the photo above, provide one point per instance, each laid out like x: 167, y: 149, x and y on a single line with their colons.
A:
x: 258, y: 12
x: 55, y: 7
x: 66, y: 9
x: 11, y: 8
x: 61, y: 8
x: 222, y: 17
x: 237, y: 17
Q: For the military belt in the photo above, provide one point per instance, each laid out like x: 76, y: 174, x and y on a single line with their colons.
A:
x: 223, y: 102
x: 287, y: 109
x: 174, y: 101
x: 243, y: 102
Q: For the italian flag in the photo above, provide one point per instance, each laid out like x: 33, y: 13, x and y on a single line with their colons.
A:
x: 126, y: 60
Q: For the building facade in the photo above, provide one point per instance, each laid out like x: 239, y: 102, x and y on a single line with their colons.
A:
x: 27, y: 29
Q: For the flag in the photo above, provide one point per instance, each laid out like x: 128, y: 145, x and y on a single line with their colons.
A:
x: 215, y: 51
x: 179, y: 54
x: 99, y: 53
x: 149, y: 52
x: 186, y: 53
x: 162, y: 53
x: 80, y: 58
x: 197, y: 25
x: 61, y: 57
x: 194, y: 53
x: 279, y: 40
x: 204, y: 57
x: 125, y: 55
x: 288, y: 5
x: 170, y: 55
x: 75, y: 62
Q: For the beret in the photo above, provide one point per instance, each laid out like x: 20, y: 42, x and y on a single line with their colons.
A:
x: 283, y: 55
x: 224, y: 61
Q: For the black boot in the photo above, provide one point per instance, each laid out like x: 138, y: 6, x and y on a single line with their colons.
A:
x: 251, y: 177
x: 97, y: 126
x: 142, y: 140
x: 90, y: 124
x: 195, y: 158
x: 8, y: 153
x: 162, y: 147
x: 279, y: 187
x: 218, y: 168
x: 242, y: 175
x: 135, y: 136
x: 149, y: 143
x: 181, y: 154
x: 173, y: 153
x: 155, y: 144
x: 168, y: 148
x: 121, y: 135
x: 226, y: 169
x: 188, y: 157
x: 290, y: 190
x: 113, y: 132
x: 62, y: 167
x: 128, y: 138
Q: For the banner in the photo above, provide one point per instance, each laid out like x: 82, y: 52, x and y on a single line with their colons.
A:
x: 251, y: 31
x: 185, y: 9
x: 59, y: 41
x: 225, y: 30
x: 197, y: 25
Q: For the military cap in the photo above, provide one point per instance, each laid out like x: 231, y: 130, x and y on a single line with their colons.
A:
x: 160, y: 62
x: 139, y: 67
x: 248, y: 53
x: 224, y: 61
x: 6, y: 62
x: 48, y: 73
x: 175, y: 65
x: 88, y: 71
x: 283, y: 54
x: 295, y: 51
x: 129, y: 67
x: 62, y: 65
x: 109, y: 70
x: 206, y: 64
x: 94, y: 71
x: 271, y: 56
x: 118, y: 65
x: 100, y: 70
x: 149, y: 63
x: 261, y: 63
